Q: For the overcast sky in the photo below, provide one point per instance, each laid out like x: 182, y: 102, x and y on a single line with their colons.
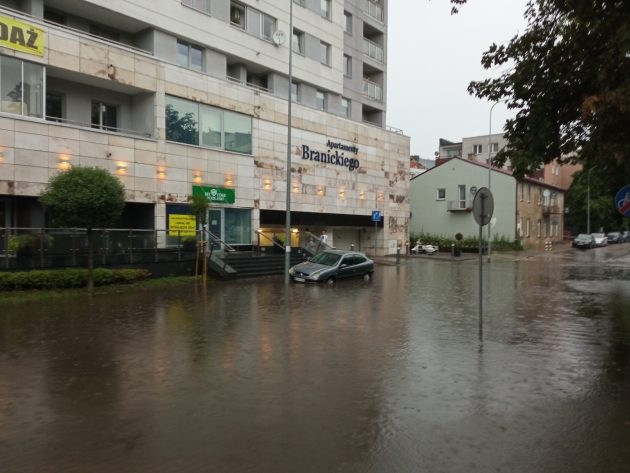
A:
x: 433, y: 56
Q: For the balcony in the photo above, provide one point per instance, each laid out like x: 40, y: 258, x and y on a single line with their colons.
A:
x: 375, y: 10
x: 373, y: 50
x: 459, y: 206
x: 372, y: 90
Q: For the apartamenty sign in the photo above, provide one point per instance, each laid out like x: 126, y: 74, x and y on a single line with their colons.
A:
x: 21, y: 36
x: 218, y: 195
x: 336, y: 158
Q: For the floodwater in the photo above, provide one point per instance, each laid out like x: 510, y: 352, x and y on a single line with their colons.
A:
x: 386, y: 376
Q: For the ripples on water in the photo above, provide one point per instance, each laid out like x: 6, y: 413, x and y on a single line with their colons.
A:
x: 386, y: 376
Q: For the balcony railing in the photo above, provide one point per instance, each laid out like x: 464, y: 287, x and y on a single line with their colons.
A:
x: 375, y: 10
x: 373, y: 50
x: 550, y: 209
x: 123, y: 131
x: 372, y: 90
x: 459, y: 206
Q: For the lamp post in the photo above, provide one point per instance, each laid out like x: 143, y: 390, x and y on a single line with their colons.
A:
x: 287, y: 229
x: 588, y: 201
x: 490, y: 171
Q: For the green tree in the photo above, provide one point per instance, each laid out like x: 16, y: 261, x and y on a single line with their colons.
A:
x: 568, y: 78
x: 84, y: 197
x: 590, y: 194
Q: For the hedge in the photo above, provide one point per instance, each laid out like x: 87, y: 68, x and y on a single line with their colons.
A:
x: 468, y: 243
x: 68, y: 278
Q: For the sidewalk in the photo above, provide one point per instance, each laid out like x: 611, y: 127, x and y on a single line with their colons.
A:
x: 494, y: 255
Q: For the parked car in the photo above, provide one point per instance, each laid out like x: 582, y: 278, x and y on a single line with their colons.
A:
x: 331, y: 265
x: 421, y: 248
x: 614, y: 237
x: 600, y: 239
x: 625, y: 236
x: 583, y: 241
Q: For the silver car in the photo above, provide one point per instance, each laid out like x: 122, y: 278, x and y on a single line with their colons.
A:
x: 330, y: 265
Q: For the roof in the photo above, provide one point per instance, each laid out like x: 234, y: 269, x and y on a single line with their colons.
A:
x: 531, y: 180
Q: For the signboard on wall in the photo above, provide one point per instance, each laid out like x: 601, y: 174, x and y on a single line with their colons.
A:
x: 217, y: 195
x: 181, y: 225
x: 21, y: 36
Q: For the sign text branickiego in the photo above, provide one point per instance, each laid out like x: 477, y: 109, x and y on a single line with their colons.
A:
x: 337, y: 157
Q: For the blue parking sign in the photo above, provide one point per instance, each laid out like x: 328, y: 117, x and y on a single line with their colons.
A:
x: 376, y: 215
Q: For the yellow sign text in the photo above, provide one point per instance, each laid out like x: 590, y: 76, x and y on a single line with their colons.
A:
x: 21, y: 36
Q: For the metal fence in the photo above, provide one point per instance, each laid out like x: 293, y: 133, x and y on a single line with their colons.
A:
x: 61, y: 247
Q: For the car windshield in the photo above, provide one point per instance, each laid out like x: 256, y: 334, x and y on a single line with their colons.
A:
x: 583, y: 236
x: 598, y: 235
x: 327, y: 259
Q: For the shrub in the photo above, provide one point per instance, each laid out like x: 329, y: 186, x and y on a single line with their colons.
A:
x: 466, y: 243
x: 68, y: 278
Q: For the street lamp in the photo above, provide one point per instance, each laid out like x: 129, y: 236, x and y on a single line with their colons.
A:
x: 490, y: 168
x: 287, y: 228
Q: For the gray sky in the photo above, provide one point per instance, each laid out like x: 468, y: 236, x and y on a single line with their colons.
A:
x: 433, y: 56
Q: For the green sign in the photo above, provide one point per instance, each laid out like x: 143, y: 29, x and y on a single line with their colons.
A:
x: 220, y: 195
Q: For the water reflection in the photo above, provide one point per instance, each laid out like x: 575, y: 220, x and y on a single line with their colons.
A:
x: 385, y: 376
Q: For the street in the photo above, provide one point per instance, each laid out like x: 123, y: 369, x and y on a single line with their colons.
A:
x: 381, y: 376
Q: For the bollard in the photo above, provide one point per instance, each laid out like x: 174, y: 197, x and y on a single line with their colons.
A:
x: 398, y: 255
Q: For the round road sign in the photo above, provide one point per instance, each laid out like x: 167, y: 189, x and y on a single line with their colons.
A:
x: 483, y: 206
x: 622, y: 201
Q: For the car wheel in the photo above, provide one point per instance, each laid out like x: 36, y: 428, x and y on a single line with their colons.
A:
x: 367, y: 277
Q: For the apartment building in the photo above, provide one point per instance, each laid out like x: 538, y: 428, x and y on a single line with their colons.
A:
x: 177, y: 97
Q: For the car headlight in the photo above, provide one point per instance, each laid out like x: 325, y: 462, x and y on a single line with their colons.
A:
x: 291, y: 271
x: 316, y: 275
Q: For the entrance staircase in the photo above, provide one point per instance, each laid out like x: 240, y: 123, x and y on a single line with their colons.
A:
x: 249, y: 264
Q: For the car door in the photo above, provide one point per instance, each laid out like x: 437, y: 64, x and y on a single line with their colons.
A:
x: 346, y: 267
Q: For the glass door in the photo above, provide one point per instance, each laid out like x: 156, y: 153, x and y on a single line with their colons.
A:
x: 216, y: 219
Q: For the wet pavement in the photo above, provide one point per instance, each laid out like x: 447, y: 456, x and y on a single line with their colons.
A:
x: 384, y: 376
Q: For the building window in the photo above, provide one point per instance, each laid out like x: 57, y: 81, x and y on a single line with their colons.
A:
x: 54, y: 107
x: 21, y: 87
x: 295, y: 92
x: 441, y: 194
x: 301, y: 3
x: 320, y: 100
x: 522, y: 186
x: 103, y: 116
x: 189, y: 56
x: 324, y: 52
x: 348, y: 22
x: 345, y: 107
x: 494, y: 147
x: 461, y: 193
x: 201, y: 5
x: 325, y: 8
x: 298, y: 41
x: 197, y: 124
x: 528, y: 228
x: 529, y: 193
x: 538, y: 229
x: 253, y: 21
x: 477, y: 149
x: 347, y: 65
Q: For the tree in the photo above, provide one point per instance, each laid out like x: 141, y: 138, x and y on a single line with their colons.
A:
x: 87, y: 198
x: 569, y: 81
x: 199, y: 204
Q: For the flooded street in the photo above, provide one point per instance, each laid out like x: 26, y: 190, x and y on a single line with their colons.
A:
x: 385, y: 376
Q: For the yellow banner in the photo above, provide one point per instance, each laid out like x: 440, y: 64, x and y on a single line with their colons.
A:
x: 21, y: 36
x: 181, y: 225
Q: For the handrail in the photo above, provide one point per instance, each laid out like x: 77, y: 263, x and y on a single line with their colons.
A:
x: 321, y: 246
x: 275, y: 243
x: 126, y: 131
x: 217, y: 241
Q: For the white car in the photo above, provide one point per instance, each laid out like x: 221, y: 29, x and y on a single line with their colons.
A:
x: 423, y: 249
x: 600, y: 239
